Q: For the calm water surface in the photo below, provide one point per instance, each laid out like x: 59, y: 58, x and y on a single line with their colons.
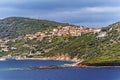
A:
x: 18, y: 70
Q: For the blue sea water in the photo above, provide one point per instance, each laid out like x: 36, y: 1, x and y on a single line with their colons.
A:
x: 18, y: 70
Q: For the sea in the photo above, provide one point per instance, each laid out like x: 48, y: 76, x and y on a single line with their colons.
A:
x: 20, y: 70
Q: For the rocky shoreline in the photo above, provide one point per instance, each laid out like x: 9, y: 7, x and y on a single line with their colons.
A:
x: 64, y: 66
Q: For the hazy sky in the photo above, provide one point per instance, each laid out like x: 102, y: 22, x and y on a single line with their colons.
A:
x: 90, y: 13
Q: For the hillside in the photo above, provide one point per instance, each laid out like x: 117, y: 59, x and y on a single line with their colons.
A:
x: 101, y: 48
x: 18, y: 26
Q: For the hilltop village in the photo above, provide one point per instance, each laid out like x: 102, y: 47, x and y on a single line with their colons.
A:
x: 64, y: 31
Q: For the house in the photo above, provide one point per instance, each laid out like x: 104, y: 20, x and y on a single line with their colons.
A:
x: 90, y: 30
x: 102, y: 34
x: 97, y: 30
x: 37, y: 34
x: 13, y: 48
x: 55, y: 31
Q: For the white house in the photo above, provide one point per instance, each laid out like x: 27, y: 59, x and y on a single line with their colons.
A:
x: 102, y: 34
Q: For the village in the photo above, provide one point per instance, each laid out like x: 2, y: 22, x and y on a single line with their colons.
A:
x: 64, y: 31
